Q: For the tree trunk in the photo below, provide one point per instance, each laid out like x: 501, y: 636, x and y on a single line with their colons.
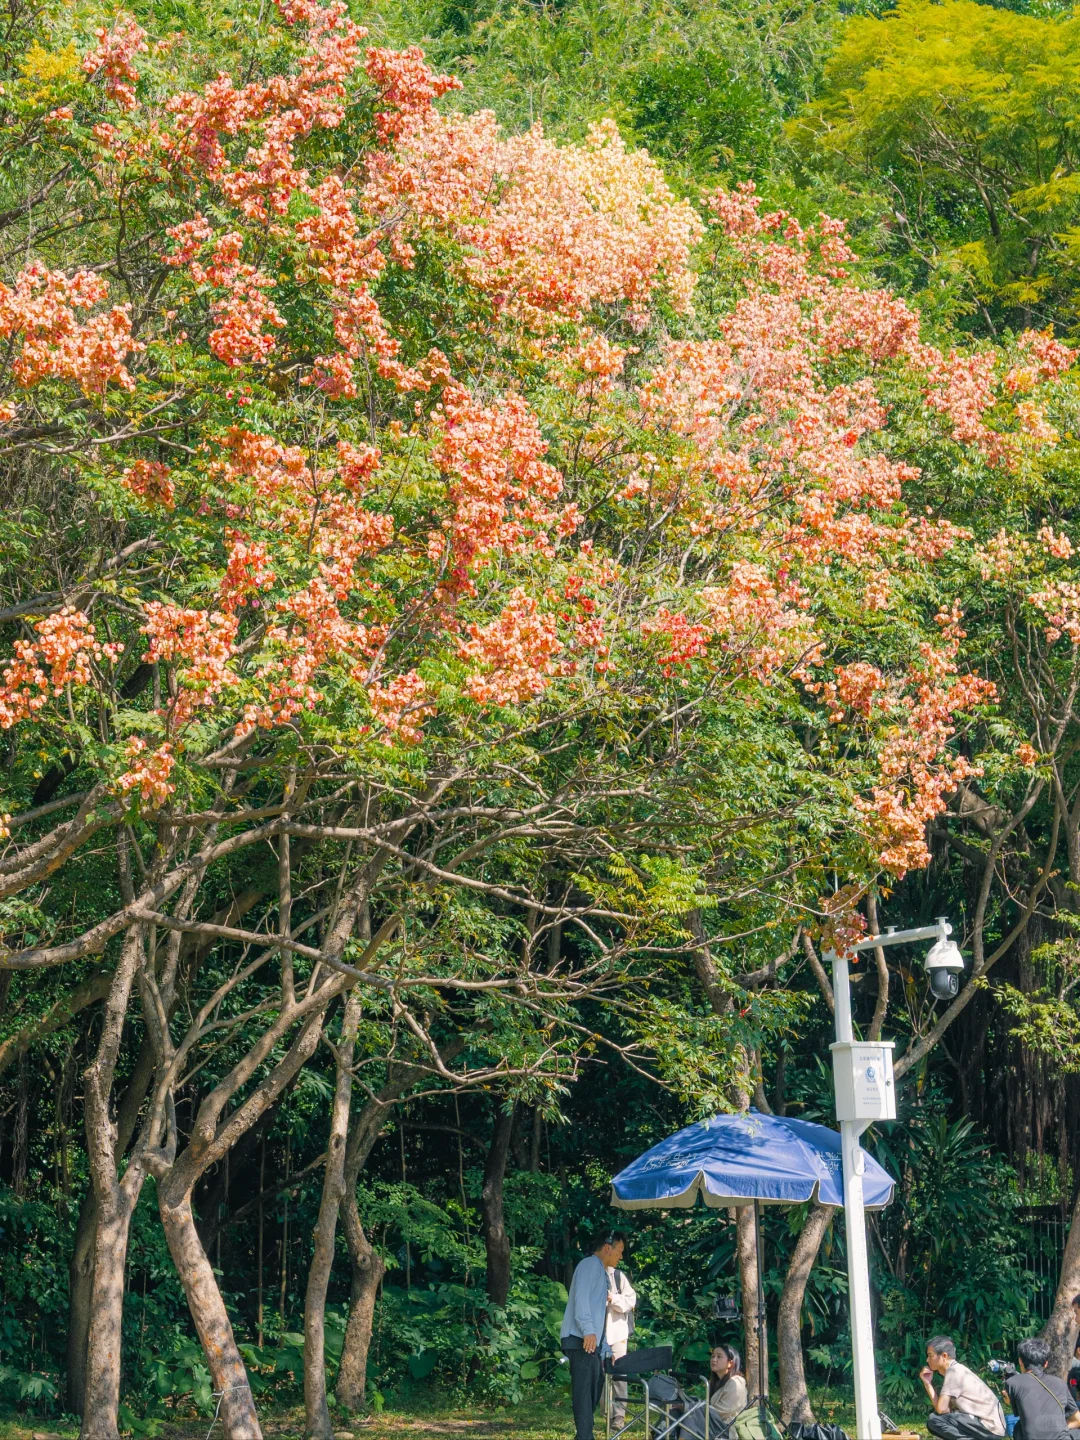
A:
x: 115, y: 1201
x: 740, y: 1092
x: 213, y: 1135
x: 101, y: 1399
x: 794, y: 1400
x: 367, y: 1273
x: 496, y: 1243
x: 80, y: 1286
x: 228, y: 1376
x: 367, y: 1264
x: 746, y: 1247
x: 316, y: 1410
x: 1060, y: 1330
x: 81, y: 1265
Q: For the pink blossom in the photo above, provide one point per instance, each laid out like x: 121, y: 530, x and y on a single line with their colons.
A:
x: 149, y: 480
x: 401, y: 706
x: 515, y: 654
x: 147, y: 773
x: 112, y: 57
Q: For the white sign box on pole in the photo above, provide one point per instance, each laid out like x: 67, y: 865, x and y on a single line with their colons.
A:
x: 863, y: 1075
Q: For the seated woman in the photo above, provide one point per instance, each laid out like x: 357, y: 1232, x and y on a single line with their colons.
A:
x: 727, y: 1387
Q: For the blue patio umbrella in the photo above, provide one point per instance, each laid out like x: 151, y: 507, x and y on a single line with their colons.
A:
x: 739, y: 1159
x: 746, y: 1159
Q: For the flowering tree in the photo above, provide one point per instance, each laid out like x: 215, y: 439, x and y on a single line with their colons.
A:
x: 1011, y: 829
x: 428, y: 543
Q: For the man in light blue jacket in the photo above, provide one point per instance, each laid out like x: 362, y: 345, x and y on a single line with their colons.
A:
x: 583, y: 1329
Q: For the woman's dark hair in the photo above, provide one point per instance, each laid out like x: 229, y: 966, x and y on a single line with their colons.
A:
x: 733, y: 1355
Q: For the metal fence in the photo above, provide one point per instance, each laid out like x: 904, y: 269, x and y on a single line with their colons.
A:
x: 1046, y: 1228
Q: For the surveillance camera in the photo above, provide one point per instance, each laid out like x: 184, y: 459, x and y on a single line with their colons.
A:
x: 945, y: 965
x: 944, y: 984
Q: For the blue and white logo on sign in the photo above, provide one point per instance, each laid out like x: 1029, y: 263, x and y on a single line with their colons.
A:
x: 871, y: 1073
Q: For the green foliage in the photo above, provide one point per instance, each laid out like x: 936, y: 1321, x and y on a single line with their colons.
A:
x: 693, y: 111
x: 34, y: 1236
x: 705, y: 88
x: 953, y: 1245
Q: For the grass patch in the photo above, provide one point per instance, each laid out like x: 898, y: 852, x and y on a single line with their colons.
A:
x: 545, y: 1416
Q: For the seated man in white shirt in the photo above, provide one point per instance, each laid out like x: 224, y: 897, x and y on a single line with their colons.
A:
x: 965, y: 1408
x: 621, y: 1303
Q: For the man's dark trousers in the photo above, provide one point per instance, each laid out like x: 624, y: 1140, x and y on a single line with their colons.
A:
x: 586, y: 1385
x: 957, y: 1426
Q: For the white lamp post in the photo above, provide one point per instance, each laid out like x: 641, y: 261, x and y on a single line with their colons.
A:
x: 863, y: 1078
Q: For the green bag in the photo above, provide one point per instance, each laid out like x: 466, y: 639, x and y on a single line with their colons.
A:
x: 748, y: 1426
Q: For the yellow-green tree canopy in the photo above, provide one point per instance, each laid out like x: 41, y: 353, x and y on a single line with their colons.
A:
x: 966, y: 115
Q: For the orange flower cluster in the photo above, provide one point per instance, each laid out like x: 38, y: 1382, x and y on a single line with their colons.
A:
x: 400, y: 707
x: 761, y: 621
x: 248, y: 570
x: 1044, y: 358
x: 962, y: 388
x: 41, y: 309
x: 406, y: 85
x: 310, y: 633
x: 66, y: 643
x: 552, y: 229
x: 147, y: 773
x: 198, y: 647
x: 759, y: 624
x: 112, y: 57
x: 244, y: 310
x: 917, y: 771
x: 1059, y: 601
x: 276, y: 472
x: 149, y: 480
x: 683, y: 641
x: 859, y: 686
x: 276, y: 114
x: 842, y: 926
x: 500, y: 483
x: 515, y: 653
x: 599, y: 363
x: 782, y: 462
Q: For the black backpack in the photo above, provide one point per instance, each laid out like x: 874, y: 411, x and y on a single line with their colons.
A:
x: 630, y: 1325
x: 665, y: 1390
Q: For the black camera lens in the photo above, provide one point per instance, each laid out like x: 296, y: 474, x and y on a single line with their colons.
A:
x: 944, y: 983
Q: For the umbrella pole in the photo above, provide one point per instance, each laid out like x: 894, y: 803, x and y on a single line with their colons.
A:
x: 763, y: 1377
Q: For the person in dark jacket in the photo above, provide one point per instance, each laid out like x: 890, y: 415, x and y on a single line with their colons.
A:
x: 1046, y: 1409
x: 1074, y: 1375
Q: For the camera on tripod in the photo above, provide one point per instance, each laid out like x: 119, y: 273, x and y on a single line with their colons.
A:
x: 1004, y: 1368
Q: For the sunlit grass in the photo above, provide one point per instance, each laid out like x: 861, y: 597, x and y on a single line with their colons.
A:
x: 541, y: 1417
